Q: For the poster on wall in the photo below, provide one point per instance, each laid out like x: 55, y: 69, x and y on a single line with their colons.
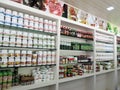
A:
x: 82, y: 17
x: 102, y: 24
x: 50, y: 6
x: 72, y: 13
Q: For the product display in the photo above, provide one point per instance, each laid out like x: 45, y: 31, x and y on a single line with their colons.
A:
x: 43, y: 74
x: 19, y: 58
x: 75, y: 65
x: 76, y: 33
x: 39, y: 50
x: 104, y: 38
x: 100, y: 66
x: 65, y: 45
x: 5, y: 79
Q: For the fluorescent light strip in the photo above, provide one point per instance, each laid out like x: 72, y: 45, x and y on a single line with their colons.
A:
x: 110, y: 8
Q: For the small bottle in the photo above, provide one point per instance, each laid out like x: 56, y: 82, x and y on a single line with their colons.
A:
x: 40, y: 24
x: 54, y: 27
x: 10, y: 58
x: 14, y: 18
x: 23, y: 58
x: 29, y: 58
x: 2, y: 15
x: 36, y: 23
x: 26, y: 20
x: 40, y: 58
x: 20, y: 19
x: 31, y: 22
x: 46, y: 26
x: 8, y: 15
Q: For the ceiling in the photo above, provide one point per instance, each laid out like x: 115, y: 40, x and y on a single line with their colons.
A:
x: 98, y: 8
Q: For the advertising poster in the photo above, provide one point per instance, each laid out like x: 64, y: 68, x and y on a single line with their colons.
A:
x: 50, y: 6
x: 72, y: 13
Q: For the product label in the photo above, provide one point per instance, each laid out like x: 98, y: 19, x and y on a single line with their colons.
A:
x: 17, y: 58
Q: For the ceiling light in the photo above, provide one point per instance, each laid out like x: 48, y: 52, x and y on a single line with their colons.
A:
x: 110, y: 8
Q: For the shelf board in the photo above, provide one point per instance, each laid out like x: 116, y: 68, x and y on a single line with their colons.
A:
x: 104, y: 51
x: 104, y: 71
x: 27, y: 66
x: 25, y: 48
x: 103, y: 60
x: 77, y: 23
x: 104, y: 32
x: 34, y: 86
x: 75, y: 78
x: 69, y: 79
x: 104, y: 41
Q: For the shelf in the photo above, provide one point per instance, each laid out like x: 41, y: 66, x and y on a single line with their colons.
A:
x: 104, y: 41
x: 75, y: 78
x: 103, y: 60
x: 77, y: 23
x: 105, y: 51
x: 34, y: 86
x: 27, y: 30
x: 105, y: 71
x: 25, y: 48
x: 27, y: 66
x: 68, y: 64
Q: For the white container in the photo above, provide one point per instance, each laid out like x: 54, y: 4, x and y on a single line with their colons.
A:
x: 40, y: 42
x: 41, y: 24
x: 4, y: 58
x: 24, y: 40
x: 44, y: 41
x: 54, y: 27
x: 14, y: 18
x: 31, y: 22
x: 23, y: 58
x: 1, y: 35
x: 2, y: 15
x: 29, y: 58
x: 11, y: 58
x: 49, y: 57
x: 46, y: 25
x: 6, y: 37
x: 35, y: 41
x: 53, y: 57
x: 30, y: 39
x: 17, y: 58
x: 19, y: 39
x: 36, y: 23
x: 44, y: 58
x: 34, y: 59
x: 8, y: 15
x: 26, y: 21
x: 20, y: 19
x: 12, y: 38
x: 50, y: 26
x: 40, y: 58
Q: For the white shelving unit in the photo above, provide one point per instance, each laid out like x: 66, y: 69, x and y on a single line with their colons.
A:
x: 104, y: 80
